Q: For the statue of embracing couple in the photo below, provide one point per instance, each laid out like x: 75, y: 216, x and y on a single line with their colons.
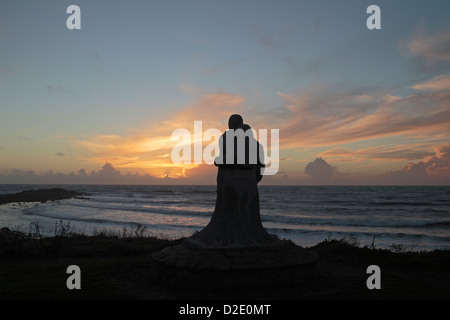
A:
x: 236, y: 220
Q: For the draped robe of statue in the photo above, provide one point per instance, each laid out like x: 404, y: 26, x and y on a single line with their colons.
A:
x: 236, y: 220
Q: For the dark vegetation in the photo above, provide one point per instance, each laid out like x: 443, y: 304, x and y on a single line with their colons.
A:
x: 117, y: 266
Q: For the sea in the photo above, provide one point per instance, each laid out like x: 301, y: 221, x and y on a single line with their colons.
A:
x: 415, y: 218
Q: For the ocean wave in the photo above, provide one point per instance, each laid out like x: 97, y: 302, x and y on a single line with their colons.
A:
x: 141, y: 208
x: 75, y: 207
x: 149, y: 223
x: 143, y: 201
x: 392, y: 214
x: 354, y: 222
x: 436, y: 224
x: 403, y: 203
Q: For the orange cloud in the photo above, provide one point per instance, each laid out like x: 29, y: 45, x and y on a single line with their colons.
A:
x: 439, y: 83
x: 381, y: 153
x: 432, y: 170
x: 316, y: 117
x: 431, y: 47
x: 149, y: 150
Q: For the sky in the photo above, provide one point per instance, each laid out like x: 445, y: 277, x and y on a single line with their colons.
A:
x: 99, y: 104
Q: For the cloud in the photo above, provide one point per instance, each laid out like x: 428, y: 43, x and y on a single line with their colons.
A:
x: 97, y: 62
x: 203, y: 174
x: 430, y: 52
x: 432, y: 170
x: 324, y: 116
x: 19, y: 176
x: 269, y: 41
x: 60, y: 154
x: 274, y: 40
x: 430, y: 47
x: 95, y: 56
x: 315, y: 117
x: 107, y: 174
x: 320, y: 171
x: 320, y: 117
x: 382, y: 152
x: 439, y: 83
x: 55, y: 88
x: 438, y: 166
x: 148, y: 148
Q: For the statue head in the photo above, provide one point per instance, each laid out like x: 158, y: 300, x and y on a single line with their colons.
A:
x: 235, y: 121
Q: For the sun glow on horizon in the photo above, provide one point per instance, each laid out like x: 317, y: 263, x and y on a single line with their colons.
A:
x: 101, y: 103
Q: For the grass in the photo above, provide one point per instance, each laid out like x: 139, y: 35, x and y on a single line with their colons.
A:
x: 34, y: 267
x: 116, y: 265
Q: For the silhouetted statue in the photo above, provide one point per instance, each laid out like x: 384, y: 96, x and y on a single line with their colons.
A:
x: 253, y: 148
x: 236, y: 221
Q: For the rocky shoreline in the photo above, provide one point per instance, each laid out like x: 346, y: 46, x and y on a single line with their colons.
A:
x: 39, y: 195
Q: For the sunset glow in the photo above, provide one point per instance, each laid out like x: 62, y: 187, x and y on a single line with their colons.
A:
x: 102, y: 102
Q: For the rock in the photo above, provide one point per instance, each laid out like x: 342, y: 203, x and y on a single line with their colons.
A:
x: 40, y: 195
x: 283, y: 264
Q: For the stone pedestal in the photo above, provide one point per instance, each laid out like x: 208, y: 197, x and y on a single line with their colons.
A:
x: 236, y: 221
x: 279, y: 264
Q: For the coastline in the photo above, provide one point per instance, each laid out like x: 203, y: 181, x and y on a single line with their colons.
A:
x: 389, y: 217
x: 117, y: 266
x: 39, y: 195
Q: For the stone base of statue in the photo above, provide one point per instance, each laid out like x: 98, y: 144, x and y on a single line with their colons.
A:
x: 281, y: 264
x: 236, y: 221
